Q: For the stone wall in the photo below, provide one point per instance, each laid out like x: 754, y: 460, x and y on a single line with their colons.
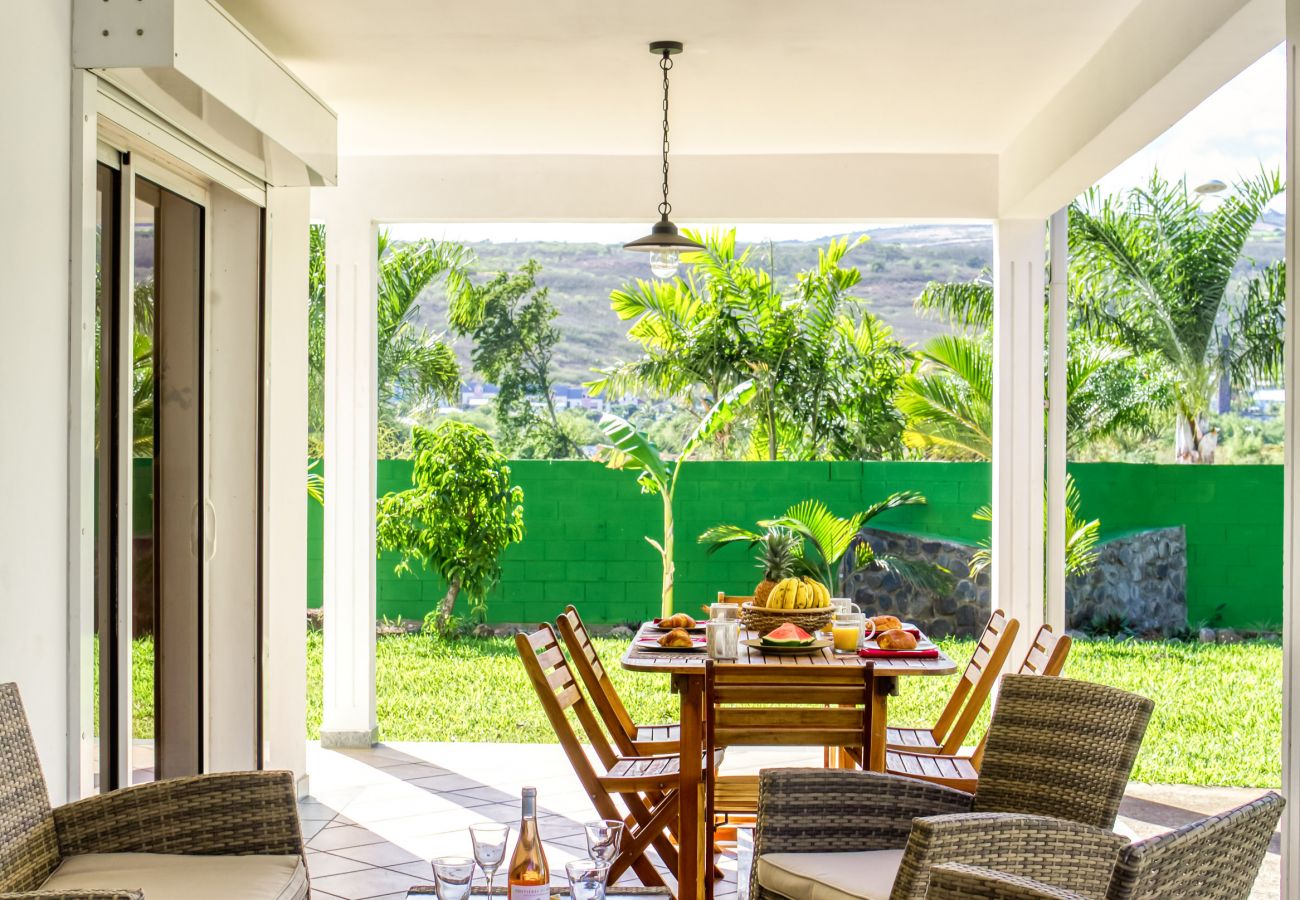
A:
x: 1139, y: 582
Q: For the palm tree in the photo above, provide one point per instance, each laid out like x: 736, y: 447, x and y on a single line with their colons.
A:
x: 830, y: 537
x: 630, y: 450
x: 1150, y: 271
x: 415, y: 366
x: 727, y: 322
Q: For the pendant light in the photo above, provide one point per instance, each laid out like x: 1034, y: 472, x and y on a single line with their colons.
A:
x: 664, y: 244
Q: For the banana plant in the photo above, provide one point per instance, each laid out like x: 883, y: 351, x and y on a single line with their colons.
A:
x: 630, y: 450
x: 829, y: 538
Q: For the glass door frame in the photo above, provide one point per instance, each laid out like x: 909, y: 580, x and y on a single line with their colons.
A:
x: 115, y: 554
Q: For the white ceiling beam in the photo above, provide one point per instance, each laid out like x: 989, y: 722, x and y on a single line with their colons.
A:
x: 757, y: 188
x: 1164, y: 59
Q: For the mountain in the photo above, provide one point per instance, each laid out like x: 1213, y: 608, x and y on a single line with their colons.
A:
x: 896, y: 263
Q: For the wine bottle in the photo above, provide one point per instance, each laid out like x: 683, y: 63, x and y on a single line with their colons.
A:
x: 530, y: 877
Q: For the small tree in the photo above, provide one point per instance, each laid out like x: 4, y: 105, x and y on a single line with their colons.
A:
x: 458, y: 516
x: 632, y: 451
x: 512, y: 323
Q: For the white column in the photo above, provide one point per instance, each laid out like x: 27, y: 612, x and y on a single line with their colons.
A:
x: 1018, y: 260
x: 1291, y: 517
x: 350, y: 416
x: 1057, y: 348
x: 284, y: 504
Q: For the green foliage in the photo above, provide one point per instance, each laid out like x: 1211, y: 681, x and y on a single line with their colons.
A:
x: 1150, y: 271
x: 415, y: 368
x: 829, y: 538
x: 948, y: 400
x: 824, y: 372
x: 630, y: 450
x: 512, y: 324
x: 1081, y: 536
x: 459, y: 515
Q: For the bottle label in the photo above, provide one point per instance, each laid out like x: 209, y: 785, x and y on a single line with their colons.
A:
x: 530, y: 892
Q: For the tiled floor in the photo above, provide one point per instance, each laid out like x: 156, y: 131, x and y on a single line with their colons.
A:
x: 376, y: 817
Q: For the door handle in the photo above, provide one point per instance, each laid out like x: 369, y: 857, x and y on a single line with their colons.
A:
x: 209, y: 530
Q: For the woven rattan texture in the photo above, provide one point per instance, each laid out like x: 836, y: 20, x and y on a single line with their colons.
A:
x: 29, y: 850
x: 956, y: 881
x: 1062, y: 748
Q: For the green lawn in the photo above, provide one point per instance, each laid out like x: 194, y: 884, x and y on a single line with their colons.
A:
x: 1218, y: 716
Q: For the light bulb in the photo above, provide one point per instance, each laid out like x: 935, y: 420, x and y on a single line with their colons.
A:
x: 663, y: 263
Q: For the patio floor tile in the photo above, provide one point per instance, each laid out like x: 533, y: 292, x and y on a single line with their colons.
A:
x: 379, y: 815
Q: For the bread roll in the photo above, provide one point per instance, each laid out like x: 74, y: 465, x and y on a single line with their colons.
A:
x: 675, y: 638
x: 886, y: 623
x: 680, y: 620
x: 896, y: 639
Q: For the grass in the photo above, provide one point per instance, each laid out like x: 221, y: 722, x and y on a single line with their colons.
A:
x: 1217, y: 721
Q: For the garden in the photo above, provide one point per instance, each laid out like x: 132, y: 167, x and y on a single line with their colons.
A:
x: 763, y: 403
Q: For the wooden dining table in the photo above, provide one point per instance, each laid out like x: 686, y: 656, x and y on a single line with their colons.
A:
x: 687, y: 672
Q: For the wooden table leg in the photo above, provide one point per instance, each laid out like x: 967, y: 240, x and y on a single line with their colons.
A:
x: 693, y: 854
x: 880, y: 691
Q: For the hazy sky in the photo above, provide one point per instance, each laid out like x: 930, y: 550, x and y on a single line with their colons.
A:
x: 1236, y: 129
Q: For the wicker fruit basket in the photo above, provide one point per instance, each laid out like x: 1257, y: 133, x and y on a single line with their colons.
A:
x: 762, y: 620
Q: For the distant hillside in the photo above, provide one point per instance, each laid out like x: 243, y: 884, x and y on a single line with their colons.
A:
x: 896, y: 264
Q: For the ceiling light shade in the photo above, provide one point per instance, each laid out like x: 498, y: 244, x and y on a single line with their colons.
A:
x: 664, y: 243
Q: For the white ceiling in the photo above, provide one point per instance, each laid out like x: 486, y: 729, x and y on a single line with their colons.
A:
x: 758, y: 76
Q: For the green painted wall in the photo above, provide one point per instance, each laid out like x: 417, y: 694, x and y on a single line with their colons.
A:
x: 586, y: 527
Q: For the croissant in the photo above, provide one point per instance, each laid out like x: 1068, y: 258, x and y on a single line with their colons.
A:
x: 675, y: 638
x: 680, y: 620
x: 886, y: 623
x: 896, y: 639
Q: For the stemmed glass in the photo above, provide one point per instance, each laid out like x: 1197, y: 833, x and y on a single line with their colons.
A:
x: 489, y: 848
x: 452, y: 877
x: 587, y: 878
x: 603, y: 838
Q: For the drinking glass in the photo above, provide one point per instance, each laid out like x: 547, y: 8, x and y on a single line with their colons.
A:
x: 452, y: 877
x: 587, y: 878
x: 603, y: 838
x: 489, y: 848
x: 849, y: 630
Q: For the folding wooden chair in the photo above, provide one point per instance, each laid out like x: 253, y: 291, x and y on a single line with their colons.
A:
x: 963, y: 707
x: 631, y: 778
x: 630, y: 738
x: 782, y: 706
x: 1045, y: 657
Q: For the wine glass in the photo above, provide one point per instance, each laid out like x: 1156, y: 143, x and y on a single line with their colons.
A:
x: 603, y: 838
x: 489, y: 848
x: 452, y: 877
x: 587, y: 878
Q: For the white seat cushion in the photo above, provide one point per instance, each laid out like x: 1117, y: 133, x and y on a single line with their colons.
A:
x: 163, y: 876
x: 867, y: 875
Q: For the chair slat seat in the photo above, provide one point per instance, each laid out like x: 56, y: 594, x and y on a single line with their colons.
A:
x: 963, y: 707
x: 915, y: 740
x: 949, y: 771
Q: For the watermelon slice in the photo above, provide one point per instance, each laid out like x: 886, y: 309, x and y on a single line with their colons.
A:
x: 787, y: 635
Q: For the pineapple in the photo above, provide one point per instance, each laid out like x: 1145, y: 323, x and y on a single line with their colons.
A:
x: 779, y: 551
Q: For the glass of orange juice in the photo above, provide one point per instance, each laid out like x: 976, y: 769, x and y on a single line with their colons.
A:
x: 847, y: 631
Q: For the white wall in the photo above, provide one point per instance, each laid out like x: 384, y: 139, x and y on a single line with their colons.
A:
x: 35, y: 91
x: 284, y: 501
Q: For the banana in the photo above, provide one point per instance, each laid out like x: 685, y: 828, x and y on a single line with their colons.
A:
x: 805, y: 595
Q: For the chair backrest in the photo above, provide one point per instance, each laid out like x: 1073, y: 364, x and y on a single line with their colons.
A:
x: 1217, y: 858
x: 724, y: 597
x: 559, y: 692
x: 29, y: 848
x: 1046, y: 656
x: 599, y: 686
x: 1062, y: 748
x: 963, y: 707
x: 787, y: 706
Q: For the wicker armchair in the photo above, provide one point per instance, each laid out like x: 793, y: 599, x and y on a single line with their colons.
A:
x: 1216, y: 858
x: 209, y: 836
x: 1057, y: 762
